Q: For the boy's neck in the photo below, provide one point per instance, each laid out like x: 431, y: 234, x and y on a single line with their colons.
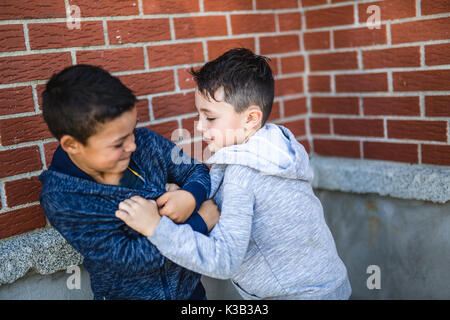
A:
x: 100, y: 177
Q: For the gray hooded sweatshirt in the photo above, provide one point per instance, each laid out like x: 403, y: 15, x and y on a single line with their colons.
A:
x: 272, y: 239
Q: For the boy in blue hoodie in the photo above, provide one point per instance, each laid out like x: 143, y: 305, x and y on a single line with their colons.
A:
x: 103, y: 159
x: 272, y: 239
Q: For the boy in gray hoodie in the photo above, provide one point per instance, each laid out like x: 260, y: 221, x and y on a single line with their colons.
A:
x: 272, y: 239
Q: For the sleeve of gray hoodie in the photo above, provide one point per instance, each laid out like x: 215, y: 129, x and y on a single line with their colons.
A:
x: 220, y: 254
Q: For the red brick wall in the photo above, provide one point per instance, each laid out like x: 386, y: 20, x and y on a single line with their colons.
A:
x: 344, y: 90
x: 378, y: 93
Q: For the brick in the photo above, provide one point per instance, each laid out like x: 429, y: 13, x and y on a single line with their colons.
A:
x: 20, y: 221
x: 319, y: 125
x: 368, y: 82
x: 436, y: 154
x: 22, y: 191
x: 359, y: 127
x: 297, y: 127
x: 288, y: 86
x: 32, y: 67
x: 316, y: 40
x: 16, y: 100
x: 333, y: 61
x: 400, y: 152
x: 417, y: 130
x: 319, y: 84
x: 305, y: 143
x: 273, y: 64
x: 329, y: 17
x: 28, y: 9
x: 392, y: 58
x: 396, y: 106
x: 218, y: 47
x: 437, y: 106
x: 109, y: 8
x: 310, y: 3
x: 57, y: 35
x: 292, y: 64
x: 114, y: 60
x: 279, y: 4
x: 429, y: 80
x: 139, y: 30
x: 293, y: 107
x: 21, y: 160
x: 185, y: 79
x: 166, y: 129
x: 279, y: 44
x: 259, y: 23
x: 143, y: 113
x: 335, y: 105
x: 229, y: 5
x: 290, y: 21
x: 23, y: 129
x: 149, y: 83
x: 359, y: 37
x: 174, y: 54
x: 337, y: 148
x: 199, y: 27
x: 437, y: 54
x: 49, y: 150
x: 275, y: 112
x: 169, y: 6
x: 12, y: 38
x: 389, y: 9
x: 424, y: 30
x: 173, y: 105
x: 435, y: 6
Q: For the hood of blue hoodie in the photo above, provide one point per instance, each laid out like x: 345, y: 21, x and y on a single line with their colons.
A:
x: 272, y: 150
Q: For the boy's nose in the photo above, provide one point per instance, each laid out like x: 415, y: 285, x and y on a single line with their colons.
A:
x: 130, y: 147
x: 200, y: 127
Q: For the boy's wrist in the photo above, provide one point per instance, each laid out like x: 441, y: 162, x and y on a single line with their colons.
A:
x: 150, y: 230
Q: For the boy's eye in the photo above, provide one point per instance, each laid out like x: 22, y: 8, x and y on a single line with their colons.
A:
x: 119, y: 146
x: 210, y: 119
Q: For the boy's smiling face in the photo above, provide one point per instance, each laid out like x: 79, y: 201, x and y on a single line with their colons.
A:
x: 219, y: 122
x: 106, y: 153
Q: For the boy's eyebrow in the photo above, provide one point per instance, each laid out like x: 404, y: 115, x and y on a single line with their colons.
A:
x: 125, y: 136
x: 204, y: 110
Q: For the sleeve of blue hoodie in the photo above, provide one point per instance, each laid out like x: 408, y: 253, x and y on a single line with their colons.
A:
x: 188, y: 173
x: 220, y: 254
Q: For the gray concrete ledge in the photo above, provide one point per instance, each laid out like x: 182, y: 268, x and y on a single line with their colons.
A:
x: 398, y: 180
x: 44, y: 251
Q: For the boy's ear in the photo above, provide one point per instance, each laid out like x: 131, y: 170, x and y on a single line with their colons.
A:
x: 70, y: 144
x: 254, y: 117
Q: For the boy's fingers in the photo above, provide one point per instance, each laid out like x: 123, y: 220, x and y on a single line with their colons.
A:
x: 122, y: 215
x: 127, y: 204
x: 137, y: 199
x: 162, y: 199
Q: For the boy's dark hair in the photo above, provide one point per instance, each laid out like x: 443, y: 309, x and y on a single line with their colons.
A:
x: 245, y: 77
x: 80, y: 97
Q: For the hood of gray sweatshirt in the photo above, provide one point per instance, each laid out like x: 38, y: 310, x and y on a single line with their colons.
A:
x: 272, y: 239
x: 272, y: 150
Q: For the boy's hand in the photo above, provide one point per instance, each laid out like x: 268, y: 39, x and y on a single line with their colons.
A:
x: 210, y: 213
x: 177, y: 205
x: 171, y: 187
x: 140, y: 214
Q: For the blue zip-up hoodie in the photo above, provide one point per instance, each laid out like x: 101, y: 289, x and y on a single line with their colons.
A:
x: 123, y: 264
x: 272, y: 239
